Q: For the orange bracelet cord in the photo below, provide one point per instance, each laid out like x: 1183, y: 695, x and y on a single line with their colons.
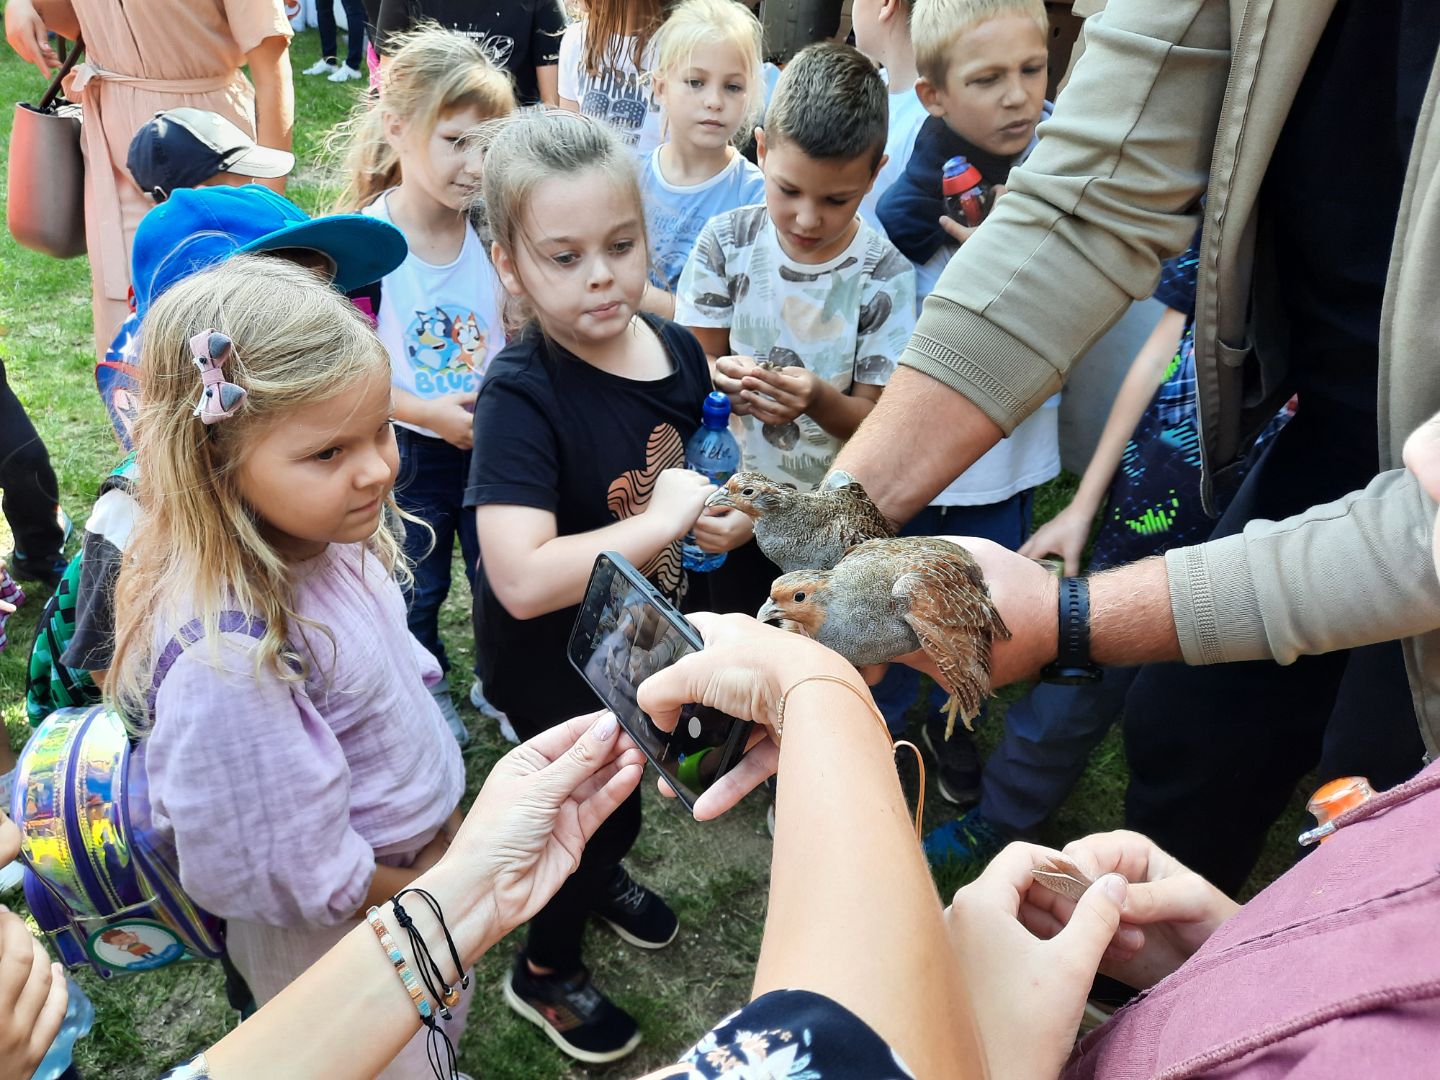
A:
x: 870, y: 704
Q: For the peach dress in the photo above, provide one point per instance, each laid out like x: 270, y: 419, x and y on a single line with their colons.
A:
x: 143, y: 57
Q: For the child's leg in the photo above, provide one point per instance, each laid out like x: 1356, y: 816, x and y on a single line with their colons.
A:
x: 325, y: 24
x: 355, y: 21
x: 31, y: 492
x: 430, y: 479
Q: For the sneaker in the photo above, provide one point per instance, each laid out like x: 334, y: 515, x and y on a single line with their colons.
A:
x: 484, y: 708
x: 320, y: 67
x: 344, y: 73
x: 441, y: 694
x: 638, y: 915
x: 576, y: 1017
x: 970, y: 839
x: 47, y: 572
x: 12, y: 594
x: 958, y: 761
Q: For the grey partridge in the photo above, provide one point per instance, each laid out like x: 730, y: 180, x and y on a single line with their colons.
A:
x: 891, y: 596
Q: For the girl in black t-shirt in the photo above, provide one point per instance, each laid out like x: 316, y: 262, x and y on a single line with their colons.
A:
x: 580, y: 432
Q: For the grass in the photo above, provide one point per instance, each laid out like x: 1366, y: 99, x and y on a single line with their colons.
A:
x: 715, y: 875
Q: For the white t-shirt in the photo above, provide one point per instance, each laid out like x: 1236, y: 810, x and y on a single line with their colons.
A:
x: 675, y: 215
x: 621, y: 94
x: 847, y: 320
x: 907, y: 114
x: 440, y: 324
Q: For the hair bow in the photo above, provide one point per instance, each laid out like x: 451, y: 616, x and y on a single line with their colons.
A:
x: 219, y: 399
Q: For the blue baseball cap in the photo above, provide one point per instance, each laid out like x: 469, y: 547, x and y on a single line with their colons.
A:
x: 196, y: 227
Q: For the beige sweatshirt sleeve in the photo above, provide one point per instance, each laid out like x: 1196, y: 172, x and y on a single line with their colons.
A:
x: 1110, y: 191
x: 1343, y: 574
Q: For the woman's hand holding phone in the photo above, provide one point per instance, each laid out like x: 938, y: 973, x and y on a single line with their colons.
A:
x: 744, y: 670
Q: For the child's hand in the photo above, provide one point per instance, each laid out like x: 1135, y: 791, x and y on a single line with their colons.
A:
x: 1064, y: 535
x: 779, y: 396
x: 33, y: 996
x: 677, y: 500
x: 722, y: 530
x: 960, y: 233
x: 450, y: 418
x: 729, y: 370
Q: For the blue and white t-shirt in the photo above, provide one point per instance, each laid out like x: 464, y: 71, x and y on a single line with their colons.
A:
x: 675, y: 215
x: 620, y: 94
x: 440, y: 324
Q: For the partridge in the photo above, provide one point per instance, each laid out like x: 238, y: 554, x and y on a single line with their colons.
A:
x: 802, y: 530
x: 891, y: 596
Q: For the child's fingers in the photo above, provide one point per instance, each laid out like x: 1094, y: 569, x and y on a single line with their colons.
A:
x: 37, y: 986
x: 52, y: 1012
x: 16, y: 954
x: 959, y: 233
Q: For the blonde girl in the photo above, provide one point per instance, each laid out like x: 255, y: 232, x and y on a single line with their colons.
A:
x: 295, y: 758
x: 579, y: 447
x: 709, y: 83
x: 438, y: 313
x: 606, y: 56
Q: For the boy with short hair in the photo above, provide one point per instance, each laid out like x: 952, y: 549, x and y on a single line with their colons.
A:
x: 802, y: 307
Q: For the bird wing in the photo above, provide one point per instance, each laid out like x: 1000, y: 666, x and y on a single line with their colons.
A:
x: 950, y: 610
x: 857, y: 518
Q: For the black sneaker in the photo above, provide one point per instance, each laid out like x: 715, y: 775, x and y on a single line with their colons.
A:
x: 638, y: 915
x: 958, y: 761
x: 574, y: 1015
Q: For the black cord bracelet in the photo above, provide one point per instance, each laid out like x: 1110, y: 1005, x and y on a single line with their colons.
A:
x: 444, y: 993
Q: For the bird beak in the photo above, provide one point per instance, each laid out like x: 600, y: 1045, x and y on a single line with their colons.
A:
x: 719, y: 497
x: 770, y: 613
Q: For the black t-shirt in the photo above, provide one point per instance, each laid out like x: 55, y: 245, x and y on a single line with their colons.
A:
x: 525, y: 34
x: 1332, y: 191
x: 554, y: 433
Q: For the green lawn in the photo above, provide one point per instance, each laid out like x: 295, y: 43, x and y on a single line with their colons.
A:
x: 715, y: 875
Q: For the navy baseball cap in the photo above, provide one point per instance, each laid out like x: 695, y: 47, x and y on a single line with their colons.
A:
x: 197, y: 227
x: 181, y: 148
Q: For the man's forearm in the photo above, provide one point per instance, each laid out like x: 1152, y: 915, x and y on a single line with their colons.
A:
x: 1131, y: 621
x: 902, y: 482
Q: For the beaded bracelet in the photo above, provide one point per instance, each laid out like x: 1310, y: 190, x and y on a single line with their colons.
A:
x: 885, y: 727
x: 402, y: 967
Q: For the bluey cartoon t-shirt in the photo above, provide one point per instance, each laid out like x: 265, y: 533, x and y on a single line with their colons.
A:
x: 440, y: 324
x: 620, y: 94
x: 675, y: 215
x: 847, y: 320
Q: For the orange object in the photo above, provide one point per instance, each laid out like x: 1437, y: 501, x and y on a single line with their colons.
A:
x: 1333, y: 799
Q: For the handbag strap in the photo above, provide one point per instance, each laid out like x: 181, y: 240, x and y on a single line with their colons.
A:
x: 53, y: 91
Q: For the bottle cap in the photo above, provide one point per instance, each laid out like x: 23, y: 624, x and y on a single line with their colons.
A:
x: 1333, y: 799
x: 716, y: 411
x: 959, y: 175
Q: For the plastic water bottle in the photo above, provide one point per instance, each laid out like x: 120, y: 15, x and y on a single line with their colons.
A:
x: 713, y: 452
x: 79, y: 1015
x: 967, y: 196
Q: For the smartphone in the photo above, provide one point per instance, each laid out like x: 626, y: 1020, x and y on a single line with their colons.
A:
x: 625, y: 632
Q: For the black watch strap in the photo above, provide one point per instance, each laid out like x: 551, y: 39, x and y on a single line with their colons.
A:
x: 1072, y: 658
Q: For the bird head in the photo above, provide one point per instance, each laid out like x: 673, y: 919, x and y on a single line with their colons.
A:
x: 797, y: 602
x: 751, y: 493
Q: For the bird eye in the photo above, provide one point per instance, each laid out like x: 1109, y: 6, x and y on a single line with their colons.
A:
x: 747, y: 491
x: 799, y: 598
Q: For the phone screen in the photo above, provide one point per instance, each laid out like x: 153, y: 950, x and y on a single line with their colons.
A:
x: 624, y: 634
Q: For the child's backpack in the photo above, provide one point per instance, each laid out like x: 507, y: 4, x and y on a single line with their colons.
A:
x: 50, y: 684
x: 101, y: 883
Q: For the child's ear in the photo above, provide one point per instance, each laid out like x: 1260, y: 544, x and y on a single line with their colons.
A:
x: 929, y: 96
x: 393, y: 126
x: 760, y: 147
x: 876, y: 174
x: 505, y: 268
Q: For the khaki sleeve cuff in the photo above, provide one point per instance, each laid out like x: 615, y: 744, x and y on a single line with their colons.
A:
x: 969, y: 354
x: 1215, y: 604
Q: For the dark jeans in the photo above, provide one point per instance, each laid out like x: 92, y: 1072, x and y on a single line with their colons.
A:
x: 30, y: 490
x: 431, y: 485
x: 1007, y: 523
x: 354, y: 20
x: 1215, y: 752
x: 558, y: 929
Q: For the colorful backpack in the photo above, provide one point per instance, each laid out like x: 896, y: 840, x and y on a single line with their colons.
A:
x: 101, y: 883
x: 49, y: 684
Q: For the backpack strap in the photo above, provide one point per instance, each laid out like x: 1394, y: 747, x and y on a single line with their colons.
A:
x: 231, y: 622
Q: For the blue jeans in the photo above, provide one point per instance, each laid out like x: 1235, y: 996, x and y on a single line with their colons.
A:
x: 431, y: 485
x: 1006, y: 523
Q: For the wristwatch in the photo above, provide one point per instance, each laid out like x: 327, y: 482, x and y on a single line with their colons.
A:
x: 1072, y: 665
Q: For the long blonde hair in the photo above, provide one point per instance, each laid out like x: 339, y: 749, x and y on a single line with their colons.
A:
x: 696, y: 23
x: 198, y: 549
x: 431, y: 72
x: 529, y: 147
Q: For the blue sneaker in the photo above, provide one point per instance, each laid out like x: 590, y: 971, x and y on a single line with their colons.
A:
x: 970, y: 840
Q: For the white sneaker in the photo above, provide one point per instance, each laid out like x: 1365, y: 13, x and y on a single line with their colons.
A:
x: 441, y: 694
x: 344, y: 73
x: 484, y: 708
x: 320, y: 67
